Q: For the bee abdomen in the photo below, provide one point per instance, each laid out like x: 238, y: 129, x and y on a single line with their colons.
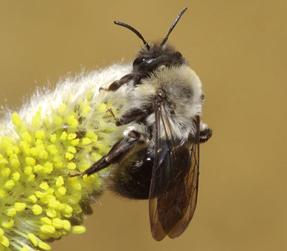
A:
x: 132, y: 180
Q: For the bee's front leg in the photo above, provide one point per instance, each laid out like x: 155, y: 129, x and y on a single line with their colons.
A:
x: 118, y: 83
x: 118, y: 151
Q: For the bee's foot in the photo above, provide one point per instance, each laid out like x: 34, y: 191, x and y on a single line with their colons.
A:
x: 75, y: 174
x: 205, y: 135
x: 103, y: 89
x: 109, y: 110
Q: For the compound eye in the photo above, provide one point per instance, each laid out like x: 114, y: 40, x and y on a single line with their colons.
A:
x: 143, y: 61
x: 148, y: 60
x: 137, y: 61
x: 178, y: 54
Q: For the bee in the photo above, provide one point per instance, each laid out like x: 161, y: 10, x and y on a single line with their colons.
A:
x: 157, y: 156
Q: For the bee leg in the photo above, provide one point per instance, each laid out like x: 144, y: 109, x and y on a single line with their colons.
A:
x: 118, y: 83
x: 205, y: 135
x: 134, y: 115
x: 135, y: 77
x: 103, y: 89
x: 113, y: 115
x: 118, y: 151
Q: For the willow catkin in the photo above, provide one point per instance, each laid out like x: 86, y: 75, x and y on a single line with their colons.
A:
x: 59, y: 132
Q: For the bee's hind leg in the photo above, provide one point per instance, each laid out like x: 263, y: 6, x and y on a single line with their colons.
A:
x: 205, y: 133
x: 118, y: 151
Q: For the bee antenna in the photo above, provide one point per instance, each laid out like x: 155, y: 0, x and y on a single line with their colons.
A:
x: 172, y: 27
x: 134, y: 31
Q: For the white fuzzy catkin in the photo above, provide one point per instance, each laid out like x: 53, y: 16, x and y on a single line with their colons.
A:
x: 72, y: 88
x: 58, y: 132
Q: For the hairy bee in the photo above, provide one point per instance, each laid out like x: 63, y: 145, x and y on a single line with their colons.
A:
x: 157, y: 157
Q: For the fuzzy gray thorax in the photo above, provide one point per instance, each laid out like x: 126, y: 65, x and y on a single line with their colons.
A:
x: 182, y: 88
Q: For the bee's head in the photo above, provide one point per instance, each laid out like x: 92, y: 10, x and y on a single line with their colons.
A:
x: 151, y: 57
x: 148, y: 60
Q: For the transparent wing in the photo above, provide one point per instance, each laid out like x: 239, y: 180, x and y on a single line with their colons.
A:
x: 174, y: 183
x: 189, y: 193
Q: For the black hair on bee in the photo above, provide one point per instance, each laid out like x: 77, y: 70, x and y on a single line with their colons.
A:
x: 157, y: 156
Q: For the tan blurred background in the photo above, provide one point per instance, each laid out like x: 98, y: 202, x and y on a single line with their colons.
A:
x: 239, y: 50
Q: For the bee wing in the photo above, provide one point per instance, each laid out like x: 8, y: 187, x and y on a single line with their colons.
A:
x: 160, y: 176
x: 174, y: 183
x: 189, y: 193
